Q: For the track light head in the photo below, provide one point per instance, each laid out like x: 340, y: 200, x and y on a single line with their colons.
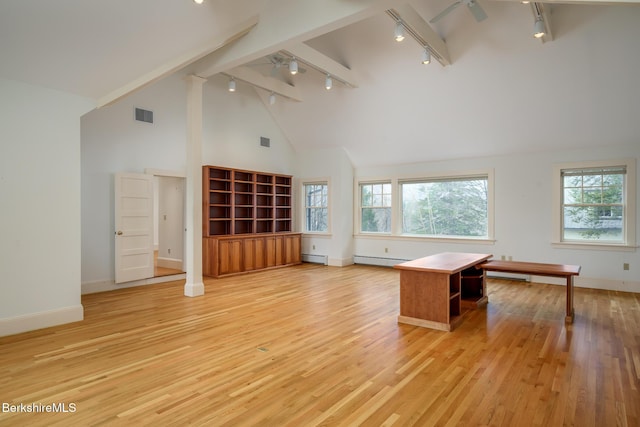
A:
x: 232, y: 85
x: 538, y: 28
x: 399, y: 32
x: 293, y: 67
x: 272, y: 98
x: 426, y: 56
x: 328, y: 82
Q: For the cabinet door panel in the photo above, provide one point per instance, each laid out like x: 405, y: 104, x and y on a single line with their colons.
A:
x: 254, y: 254
x: 270, y: 251
x: 230, y: 256
x: 292, y: 249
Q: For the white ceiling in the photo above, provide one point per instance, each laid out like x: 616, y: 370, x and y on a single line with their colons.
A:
x: 505, y: 91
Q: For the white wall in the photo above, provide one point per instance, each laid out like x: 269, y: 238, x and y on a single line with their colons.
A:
x: 523, y: 216
x: 113, y: 141
x: 233, y: 125
x: 40, y: 213
x: 334, y: 166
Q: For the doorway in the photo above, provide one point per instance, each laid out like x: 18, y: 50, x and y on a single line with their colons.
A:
x: 169, y: 225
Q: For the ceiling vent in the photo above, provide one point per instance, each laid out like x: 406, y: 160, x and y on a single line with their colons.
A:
x: 144, y: 115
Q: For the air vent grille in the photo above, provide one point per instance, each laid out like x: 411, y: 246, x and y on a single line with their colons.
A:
x: 144, y: 115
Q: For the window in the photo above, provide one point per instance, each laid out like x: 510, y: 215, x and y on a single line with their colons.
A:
x: 594, y: 203
x: 316, y: 207
x: 375, y: 207
x: 446, y: 207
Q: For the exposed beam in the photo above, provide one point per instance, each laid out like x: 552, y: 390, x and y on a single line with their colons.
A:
x: 269, y: 84
x: 322, y: 63
x: 287, y: 22
x: 422, y: 32
x: 225, y: 38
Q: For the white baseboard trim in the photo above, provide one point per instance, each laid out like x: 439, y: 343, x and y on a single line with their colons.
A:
x: 193, y: 289
x: 592, y: 283
x: 110, y: 285
x: 380, y: 261
x: 315, y: 259
x: 43, y: 319
x: 339, y: 262
x: 169, y: 263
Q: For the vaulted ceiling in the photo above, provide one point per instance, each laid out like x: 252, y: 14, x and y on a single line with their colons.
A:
x: 502, y: 92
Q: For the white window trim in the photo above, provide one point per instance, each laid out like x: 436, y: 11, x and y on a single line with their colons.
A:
x: 630, y: 205
x: 357, y: 220
x: 303, y: 204
x: 396, y: 206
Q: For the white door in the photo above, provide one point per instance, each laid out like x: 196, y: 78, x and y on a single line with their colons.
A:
x: 134, y: 226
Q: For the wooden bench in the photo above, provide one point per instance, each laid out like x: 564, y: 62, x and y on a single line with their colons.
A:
x: 538, y: 269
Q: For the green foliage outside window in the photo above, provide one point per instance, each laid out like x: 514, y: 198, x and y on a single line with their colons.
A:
x: 456, y: 207
x: 375, y: 207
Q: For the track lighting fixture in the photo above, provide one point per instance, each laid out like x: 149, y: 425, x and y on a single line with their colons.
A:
x: 399, y: 33
x: 232, y: 85
x: 426, y: 56
x: 272, y: 98
x: 328, y: 82
x: 293, y: 66
x: 538, y: 28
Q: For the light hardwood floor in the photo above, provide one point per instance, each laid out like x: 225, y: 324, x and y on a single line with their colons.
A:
x: 314, y: 345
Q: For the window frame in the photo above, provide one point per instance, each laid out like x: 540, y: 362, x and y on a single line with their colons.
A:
x: 629, y: 202
x: 359, y: 185
x: 303, y: 185
x: 449, y: 178
x: 396, y: 207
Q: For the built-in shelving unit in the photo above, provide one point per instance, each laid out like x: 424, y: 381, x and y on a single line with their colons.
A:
x: 240, y: 206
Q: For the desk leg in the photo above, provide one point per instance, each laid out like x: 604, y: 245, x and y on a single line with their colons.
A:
x: 569, y: 317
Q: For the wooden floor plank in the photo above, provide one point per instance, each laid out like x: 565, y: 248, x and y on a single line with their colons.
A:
x: 316, y: 345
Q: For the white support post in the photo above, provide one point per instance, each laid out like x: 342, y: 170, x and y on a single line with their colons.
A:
x: 194, y: 285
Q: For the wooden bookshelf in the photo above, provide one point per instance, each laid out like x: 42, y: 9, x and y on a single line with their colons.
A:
x: 241, y: 208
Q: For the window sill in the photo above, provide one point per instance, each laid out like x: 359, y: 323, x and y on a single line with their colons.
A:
x: 594, y: 246
x: 322, y: 235
x: 415, y: 238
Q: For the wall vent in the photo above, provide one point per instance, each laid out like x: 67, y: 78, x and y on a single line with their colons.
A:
x: 144, y: 115
x: 265, y: 142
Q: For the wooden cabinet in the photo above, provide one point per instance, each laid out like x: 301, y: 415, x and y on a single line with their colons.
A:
x: 227, y: 255
x: 247, y: 221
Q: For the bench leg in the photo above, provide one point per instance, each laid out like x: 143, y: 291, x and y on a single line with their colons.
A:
x: 569, y: 317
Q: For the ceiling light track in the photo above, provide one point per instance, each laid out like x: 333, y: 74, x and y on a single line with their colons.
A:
x: 542, y: 22
x: 408, y: 29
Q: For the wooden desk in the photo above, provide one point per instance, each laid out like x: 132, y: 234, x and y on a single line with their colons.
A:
x: 538, y: 269
x: 431, y: 289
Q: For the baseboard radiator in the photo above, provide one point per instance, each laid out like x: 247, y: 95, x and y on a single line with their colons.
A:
x: 316, y: 259
x: 508, y: 276
x: 372, y: 260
